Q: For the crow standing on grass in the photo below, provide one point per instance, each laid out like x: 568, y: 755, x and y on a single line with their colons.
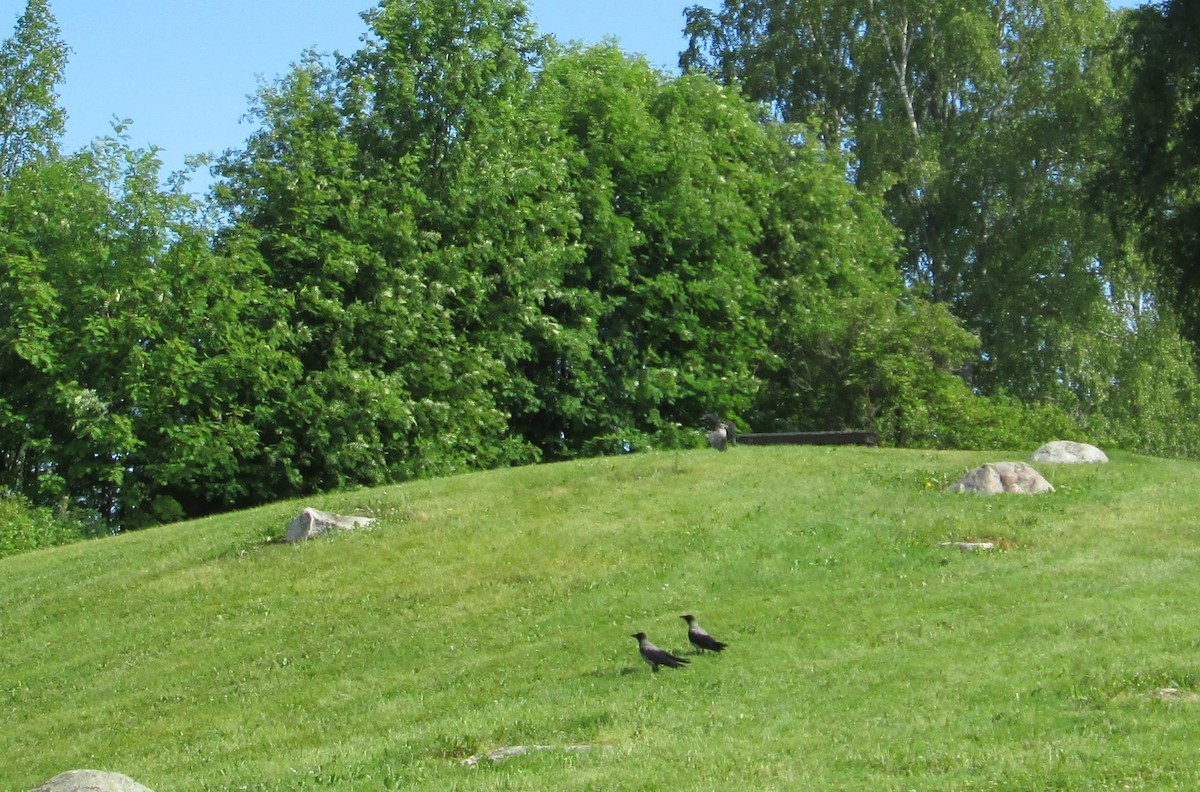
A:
x: 655, y: 656
x: 722, y: 434
x: 700, y: 637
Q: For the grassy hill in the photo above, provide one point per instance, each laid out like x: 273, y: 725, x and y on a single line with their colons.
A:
x: 495, y: 609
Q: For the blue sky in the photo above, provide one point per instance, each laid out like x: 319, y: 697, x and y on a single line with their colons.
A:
x: 182, y: 70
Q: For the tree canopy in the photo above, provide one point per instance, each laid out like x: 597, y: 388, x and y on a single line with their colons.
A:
x: 466, y: 245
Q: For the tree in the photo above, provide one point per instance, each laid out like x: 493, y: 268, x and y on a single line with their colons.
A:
x: 371, y: 195
x: 850, y: 346
x: 668, y: 321
x: 32, y: 61
x: 967, y: 116
x: 451, y: 89
x: 1149, y: 187
x: 137, y: 363
x: 733, y: 268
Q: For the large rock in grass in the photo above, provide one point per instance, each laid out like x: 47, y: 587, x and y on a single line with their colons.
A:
x: 996, y: 478
x: 91, y: 781
x: 1067, y: 452
x: 311, y: 523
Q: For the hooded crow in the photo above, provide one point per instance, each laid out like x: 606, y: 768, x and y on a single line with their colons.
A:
x: 655, y: 656
x: 700, y: 637
x: 723, y: 432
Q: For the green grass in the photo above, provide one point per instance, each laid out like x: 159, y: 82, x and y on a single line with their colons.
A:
x: 495, y: 609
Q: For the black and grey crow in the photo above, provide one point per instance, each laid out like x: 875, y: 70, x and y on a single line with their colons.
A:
x: 723, y: 432
x: 700, y: 637
x: 655, y: 656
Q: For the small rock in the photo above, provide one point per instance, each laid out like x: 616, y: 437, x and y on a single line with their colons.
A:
x: 91, y: 781
x: 970, y: 547
x: 1174, y: 694
x: 1068, y: 452
x: 311, y: 523
x: 995, y: 478
x: 500, y: 754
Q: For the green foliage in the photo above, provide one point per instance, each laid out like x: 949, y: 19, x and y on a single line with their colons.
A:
x: 967, y: 117
x: 1002, y: 422
x: 137, y: 357
x: 735, y: 268
x: 25, y: 527
x: 465, y: 247
x: 576, y: 264
x: 451, y: 92
x: 1152, y: 407
x: 1148, y: 188
x: 32, y: 62
x: 987, y: 127
x: 849, y: 348
x: 355, y: 196
x: 669, y: 181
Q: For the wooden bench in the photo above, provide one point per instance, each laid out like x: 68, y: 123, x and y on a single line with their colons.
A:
x: 809, y: 438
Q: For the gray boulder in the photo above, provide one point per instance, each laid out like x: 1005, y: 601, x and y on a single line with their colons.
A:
x: 311, y: 523
x: 1066, y: 451
x: 91, y: 781
x: 995, y: 478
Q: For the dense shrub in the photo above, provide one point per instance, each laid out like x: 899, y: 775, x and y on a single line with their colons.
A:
x: 25, y: 527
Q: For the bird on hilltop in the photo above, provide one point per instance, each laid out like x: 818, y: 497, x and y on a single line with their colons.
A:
x: 655, y: 656
x: 723, y: 432
x: 700, y: 637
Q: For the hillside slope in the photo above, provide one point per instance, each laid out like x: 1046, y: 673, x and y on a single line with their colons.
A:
x: 495, y: 609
